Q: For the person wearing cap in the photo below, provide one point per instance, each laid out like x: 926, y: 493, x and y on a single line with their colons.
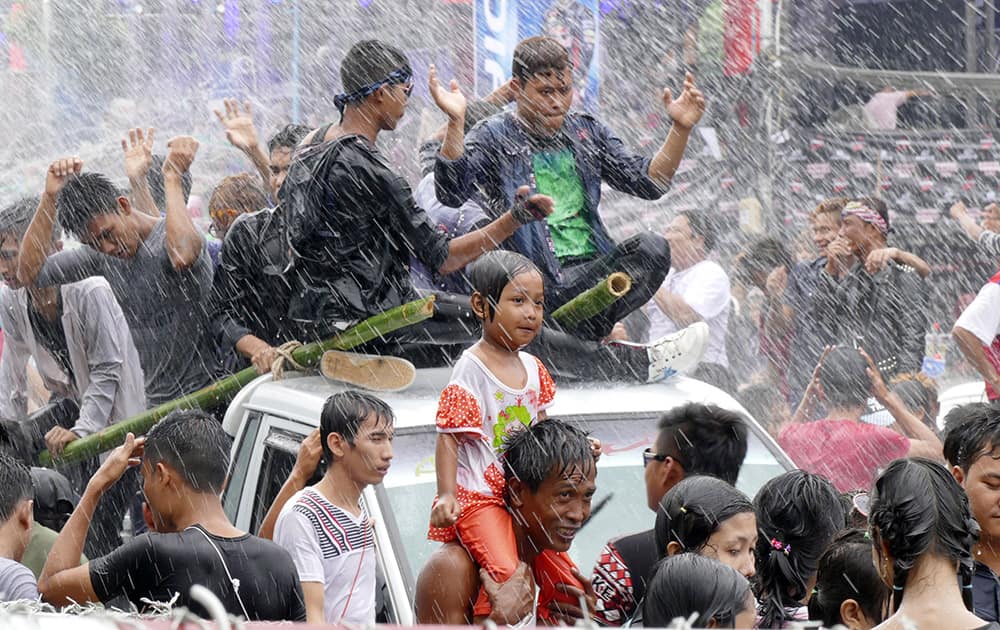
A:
x: 882, y: 310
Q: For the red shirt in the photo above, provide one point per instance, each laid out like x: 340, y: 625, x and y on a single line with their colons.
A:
x: 846, y: 452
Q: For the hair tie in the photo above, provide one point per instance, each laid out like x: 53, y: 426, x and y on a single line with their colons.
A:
x: 780, y: 546
x: 897, y: 588
x: 683, y: 510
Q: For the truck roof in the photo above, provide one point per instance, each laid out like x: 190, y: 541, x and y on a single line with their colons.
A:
x: 302, y: 396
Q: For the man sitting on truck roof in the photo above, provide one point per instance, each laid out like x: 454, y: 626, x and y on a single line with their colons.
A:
x: 550, y: 473
x: 184, y: 462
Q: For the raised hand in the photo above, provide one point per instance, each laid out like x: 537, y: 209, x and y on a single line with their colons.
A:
x: 180, y: 156
x: 451, y: 101
x: 60, y: 171
x: 239, y: 127
x: 688, y: 108
x: 128, y: 455
x: 958, y: 211
x: 138, y: 150
x: 880, y: 391
x: 879, y: 258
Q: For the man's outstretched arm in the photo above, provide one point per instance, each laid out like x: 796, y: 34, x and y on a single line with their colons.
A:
x: 138, y: 150
x: 34, y: 245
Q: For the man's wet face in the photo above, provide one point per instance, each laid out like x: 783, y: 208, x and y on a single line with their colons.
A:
x: 859, y: 234
x: 281, y: 159
x: 544, y: 99
x: 9, y: 248
x: 555, y: 513
x: 112, y: 234
x: 982, y: 484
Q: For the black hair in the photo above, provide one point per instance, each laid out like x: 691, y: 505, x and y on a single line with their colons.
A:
x: 918, y: 508
x: 701, y: 226
x: 493, y: 271
x: 918, y: 396
x: 15, y: 486
x: 15, y: 219
x: 531, y: 455
x: 844, y: 378
x: 798, y: 514
x: 763, y: 255
x: 846, y: 572
x: 878, y: 206
x: 693, y: 510
x: 761, y: 400
x: 704, y: 439
x: 157, y: 188
x: 194, y: 444
x: 345, y: 412
x: 688, y: 584
x: 971, y: 431
x: 369, y: 62
x: 538, y: 55
x: 84, y: 197
x: 288, y: 137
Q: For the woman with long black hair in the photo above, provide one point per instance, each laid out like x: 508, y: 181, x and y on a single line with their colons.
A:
x: 923, y: 532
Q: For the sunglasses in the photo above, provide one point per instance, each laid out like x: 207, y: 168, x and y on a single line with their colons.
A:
x: 649, y: 456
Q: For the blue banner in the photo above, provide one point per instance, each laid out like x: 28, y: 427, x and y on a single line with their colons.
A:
x: 500, y: 24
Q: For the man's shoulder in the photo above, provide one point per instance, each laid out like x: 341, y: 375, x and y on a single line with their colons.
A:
x: 13, y: 569
x: 633, y: 546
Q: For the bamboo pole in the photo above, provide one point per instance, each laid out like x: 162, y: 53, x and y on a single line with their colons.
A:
x: 224, y: 390
x: 593, y: 300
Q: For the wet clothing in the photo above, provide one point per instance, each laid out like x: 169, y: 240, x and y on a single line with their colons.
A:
x: 555, y: 174
x: 500, y: 156
x: 620, y: 575
x: 452, y: 222
x: 50, y: 334
x: 156, y: 566
x: 104, y: 375
x: 989, y: 242
x: 250, y: 293
x: 982, y: 319
x: 985, y: 593
x: 848, y: 453
x: 334, y: 548
x: 808, y: 338
x: 479, y: 411
x: 704, y: 287
x: 353, y: 227
x: 167, y: 310
x: 885, y: 313
x: 16, y: 582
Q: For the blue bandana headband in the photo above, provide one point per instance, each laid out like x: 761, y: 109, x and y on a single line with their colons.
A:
x: 395, y: 77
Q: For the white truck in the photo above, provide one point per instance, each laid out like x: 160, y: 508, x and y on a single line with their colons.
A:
x: 268, y: 419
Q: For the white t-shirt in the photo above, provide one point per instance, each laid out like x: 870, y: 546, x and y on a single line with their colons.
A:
x: 705, y: 287
x: 881, y: 110
x: 483, y: 410
x: 982, y: 316
x: 334, y: 548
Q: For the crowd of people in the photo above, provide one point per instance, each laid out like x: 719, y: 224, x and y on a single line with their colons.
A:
x: 504, y: 228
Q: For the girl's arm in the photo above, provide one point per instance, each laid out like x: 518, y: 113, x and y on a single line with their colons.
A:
x: 446, y: 509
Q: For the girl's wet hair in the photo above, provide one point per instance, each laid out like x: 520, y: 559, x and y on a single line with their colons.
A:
x: 687, y: 583
x: 693, y: 510
x: 798, y: 514
x: 492, y: 271
x: 919, y: 508
x: 846, y: 572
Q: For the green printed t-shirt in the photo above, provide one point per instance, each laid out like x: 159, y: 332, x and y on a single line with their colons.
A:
x: 556, y: 176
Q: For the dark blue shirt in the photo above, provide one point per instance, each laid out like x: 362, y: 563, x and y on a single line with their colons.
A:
x: 985, y: 593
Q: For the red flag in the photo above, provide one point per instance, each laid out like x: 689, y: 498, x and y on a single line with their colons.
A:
x: 741, y: 35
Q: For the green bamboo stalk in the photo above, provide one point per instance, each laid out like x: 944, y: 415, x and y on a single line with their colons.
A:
x: 593, y: 301
x: 224, y: 390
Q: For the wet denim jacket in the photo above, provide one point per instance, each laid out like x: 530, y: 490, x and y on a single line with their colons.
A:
x: 498, y: 159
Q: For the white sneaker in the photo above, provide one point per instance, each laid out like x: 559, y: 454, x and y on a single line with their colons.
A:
x: 677, y: 351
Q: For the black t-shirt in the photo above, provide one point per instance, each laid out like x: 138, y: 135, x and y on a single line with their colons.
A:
x: 156, y: 566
